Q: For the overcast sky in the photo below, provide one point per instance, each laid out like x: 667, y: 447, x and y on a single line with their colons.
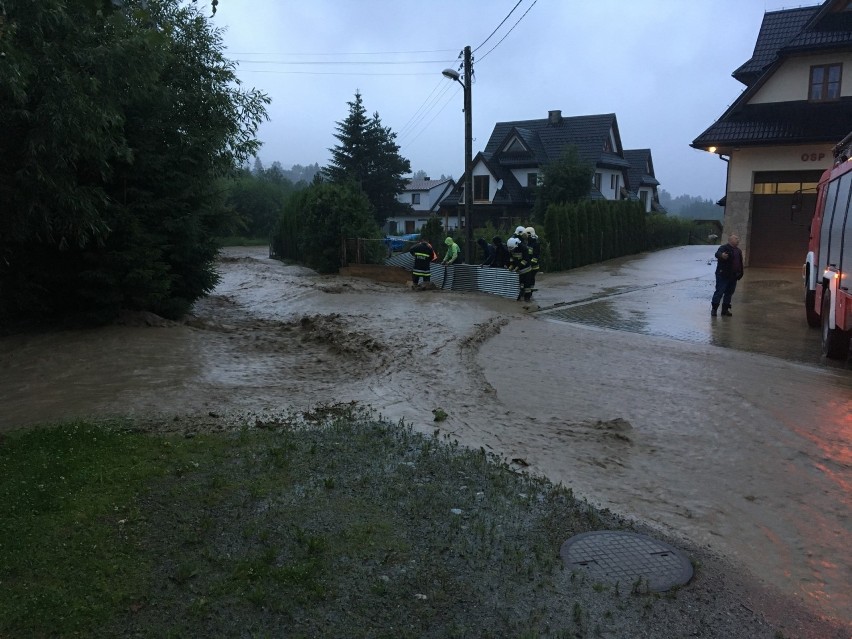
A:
x: 662, y: 66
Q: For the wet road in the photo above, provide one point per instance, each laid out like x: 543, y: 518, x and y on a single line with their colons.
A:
x: 741, y: 436
x: 729, y: 432
x: 668, y: 294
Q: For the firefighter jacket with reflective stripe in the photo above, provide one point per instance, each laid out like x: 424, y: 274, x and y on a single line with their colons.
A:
x: 535, y: 247
x: 422, y: 253
x: 520, y: 259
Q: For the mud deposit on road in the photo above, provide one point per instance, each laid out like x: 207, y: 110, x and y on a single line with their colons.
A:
x: 714, y: 446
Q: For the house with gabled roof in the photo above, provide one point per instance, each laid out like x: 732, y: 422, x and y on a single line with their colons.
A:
x: 641, y: 182
x: 424, y: 197
x: 778, y: 135
x: 506, y: 172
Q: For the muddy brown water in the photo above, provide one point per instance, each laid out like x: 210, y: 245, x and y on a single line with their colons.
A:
x: 745, y: 453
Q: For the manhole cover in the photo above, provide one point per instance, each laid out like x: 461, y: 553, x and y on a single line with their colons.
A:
x: 625, y: 558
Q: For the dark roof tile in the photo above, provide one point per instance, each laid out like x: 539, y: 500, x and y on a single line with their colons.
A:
x: 776, y: 31
x: 780, y: 123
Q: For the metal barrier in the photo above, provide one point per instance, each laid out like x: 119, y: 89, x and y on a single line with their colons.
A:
x: 466, y: 277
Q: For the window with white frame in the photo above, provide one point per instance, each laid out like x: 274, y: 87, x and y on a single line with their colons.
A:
x: 415, y: 198
x: 481, y: 188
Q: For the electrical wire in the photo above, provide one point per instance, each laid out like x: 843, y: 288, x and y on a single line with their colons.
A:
x: 443, y: 86
x: 346, y: 73
x: 508, y: 32
x: 340, y: 52
x: 414, y: 126
x: 498, y: 27
x: 333, y: 62
x: 450, y: 99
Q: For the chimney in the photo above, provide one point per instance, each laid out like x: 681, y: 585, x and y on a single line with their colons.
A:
x: 554, y: 117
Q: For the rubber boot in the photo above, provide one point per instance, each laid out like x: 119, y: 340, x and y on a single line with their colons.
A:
x: 714, y: 310
x: 726, y: 310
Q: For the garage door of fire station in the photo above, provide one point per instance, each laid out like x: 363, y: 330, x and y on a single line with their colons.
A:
x: 778, y: 238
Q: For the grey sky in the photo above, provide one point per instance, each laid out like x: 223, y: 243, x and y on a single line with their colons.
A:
x: 662, y: 66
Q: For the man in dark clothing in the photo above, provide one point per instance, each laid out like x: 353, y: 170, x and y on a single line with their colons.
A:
x: 423, y: 254
x: 729, y: 271
x: 501, y: 253
x: 487, y: 252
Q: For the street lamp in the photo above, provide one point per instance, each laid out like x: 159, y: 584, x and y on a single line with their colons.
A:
x: 468, y: 150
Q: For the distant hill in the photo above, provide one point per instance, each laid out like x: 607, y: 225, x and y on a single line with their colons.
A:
x: 691, y: 206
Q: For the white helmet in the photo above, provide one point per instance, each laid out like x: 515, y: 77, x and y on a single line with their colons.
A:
x: 520, y: 230
x: 530, y: 231
x: 513, y: 242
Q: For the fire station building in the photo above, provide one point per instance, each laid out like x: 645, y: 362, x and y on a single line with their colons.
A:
x: 777, y: 137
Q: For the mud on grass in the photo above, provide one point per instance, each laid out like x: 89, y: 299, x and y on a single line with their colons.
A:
x: 334, y: 524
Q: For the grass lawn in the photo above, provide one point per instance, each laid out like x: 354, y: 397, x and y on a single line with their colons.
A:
x: 335, y: 524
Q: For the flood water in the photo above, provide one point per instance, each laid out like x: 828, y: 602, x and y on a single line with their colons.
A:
x: 731, y: 431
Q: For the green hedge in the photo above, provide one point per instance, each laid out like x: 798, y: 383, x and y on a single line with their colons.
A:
x: 593, y: 231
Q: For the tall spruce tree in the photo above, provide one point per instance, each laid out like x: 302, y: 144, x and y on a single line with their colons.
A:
x: 368, y: 157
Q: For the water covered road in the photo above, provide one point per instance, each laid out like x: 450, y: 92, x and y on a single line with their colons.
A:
x: 729, y: 432
x: 741, y: 436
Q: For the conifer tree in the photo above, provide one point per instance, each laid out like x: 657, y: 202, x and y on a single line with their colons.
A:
x: 368, y: 157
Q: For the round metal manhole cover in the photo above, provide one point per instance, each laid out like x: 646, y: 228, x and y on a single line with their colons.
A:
x: 628, y: 559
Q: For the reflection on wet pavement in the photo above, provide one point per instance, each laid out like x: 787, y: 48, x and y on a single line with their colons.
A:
x: 767, y: 306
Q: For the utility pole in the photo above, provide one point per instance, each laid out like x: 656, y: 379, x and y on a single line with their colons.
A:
x: 468, y: 158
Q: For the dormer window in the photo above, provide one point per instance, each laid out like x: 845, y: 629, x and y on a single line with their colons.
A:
x: 825, y: 82
x: 607, y: 145
x: 515, y: 146
x: 481, y: 188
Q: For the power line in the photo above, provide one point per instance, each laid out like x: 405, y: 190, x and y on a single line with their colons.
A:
x: 441, y: 84
x: 450, y: 99
x: 334, y: 62
x: 414, y: 125
x: 341, y: 52
x: 347, y: 73
x: 507, y: 34
x: 498, y: 27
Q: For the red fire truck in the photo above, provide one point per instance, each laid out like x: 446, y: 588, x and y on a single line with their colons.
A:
x: 827, y: 269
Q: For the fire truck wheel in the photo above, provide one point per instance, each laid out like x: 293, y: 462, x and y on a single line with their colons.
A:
x: 811, y: 315
x: 835, y: 343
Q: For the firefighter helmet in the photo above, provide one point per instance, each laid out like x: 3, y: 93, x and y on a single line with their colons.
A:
x: 520, y: 230
x: 513, y: 242
x: 530, y: 231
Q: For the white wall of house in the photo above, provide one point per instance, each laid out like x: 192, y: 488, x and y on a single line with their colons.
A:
x: 745, y: 162
x: 792, y: 79
x: 649, y: 197
x: 428, y: 198
x: 521, y: 175
x: 608, y: 189
x: 481, y: 169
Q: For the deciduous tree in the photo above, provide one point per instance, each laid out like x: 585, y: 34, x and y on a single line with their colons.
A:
x: 565, y: 180
x: 116, y: 119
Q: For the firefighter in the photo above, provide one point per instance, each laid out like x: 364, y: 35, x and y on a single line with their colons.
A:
x: 423, y: 254
x: 520, y: 256
x: 535, y: 248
